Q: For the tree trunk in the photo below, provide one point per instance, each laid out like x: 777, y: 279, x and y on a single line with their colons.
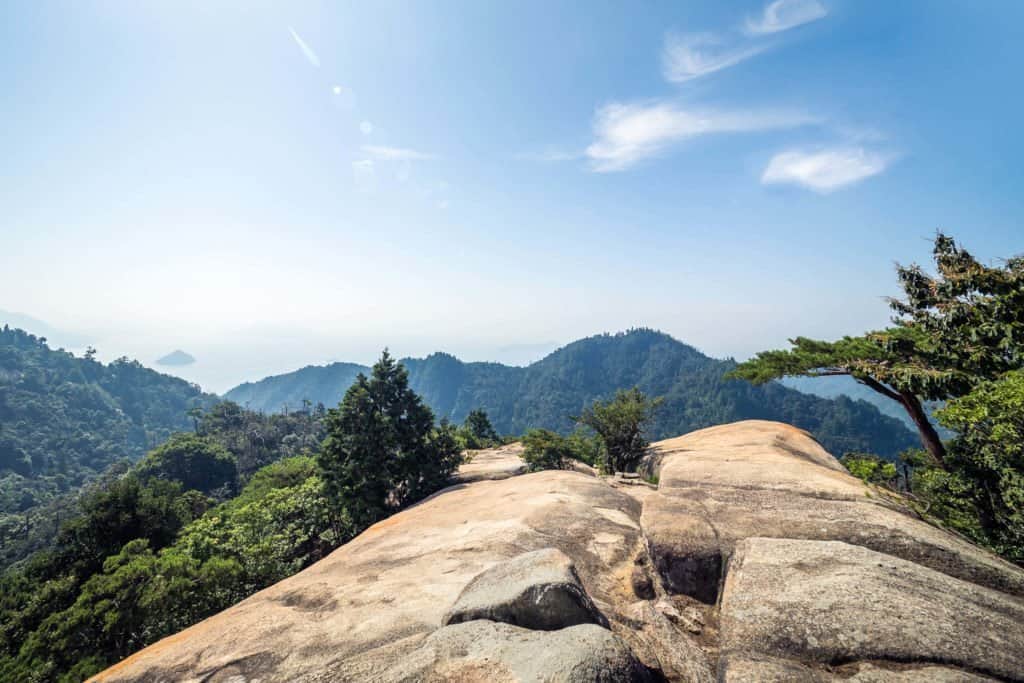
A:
x: 929, y: 437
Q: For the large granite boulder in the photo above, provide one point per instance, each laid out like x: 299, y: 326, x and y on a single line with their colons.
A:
x: 537, y: 590
x: 757, y: 558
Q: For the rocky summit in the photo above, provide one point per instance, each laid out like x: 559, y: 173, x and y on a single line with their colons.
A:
x: 755, y: 557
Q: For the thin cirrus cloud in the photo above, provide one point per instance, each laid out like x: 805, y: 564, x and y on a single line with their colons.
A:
x: 626, y: 134
x: 395, y: 153
x: 824, y: 170
x: 311, y: 56
x: 782, y: 15
x: 685, y: 57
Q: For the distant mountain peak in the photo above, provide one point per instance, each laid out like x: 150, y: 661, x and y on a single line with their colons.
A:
x: 177, y: 358
x: 548, y: 392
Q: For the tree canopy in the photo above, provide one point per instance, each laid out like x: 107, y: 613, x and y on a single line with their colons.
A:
x: 197, y: 462
x: 478, y: 431
x: 952, y: 330
x: 985, y: 464
x: 621, y: 424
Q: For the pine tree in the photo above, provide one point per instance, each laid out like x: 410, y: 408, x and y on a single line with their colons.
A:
x: 953, y: 330
x: 478, y: 428
x: 382, y: 451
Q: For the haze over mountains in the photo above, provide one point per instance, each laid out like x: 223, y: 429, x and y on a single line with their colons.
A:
x: 548, y: 392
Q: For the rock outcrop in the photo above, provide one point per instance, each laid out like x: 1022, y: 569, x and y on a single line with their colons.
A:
x: 756, y: 558
x: 539, y: 590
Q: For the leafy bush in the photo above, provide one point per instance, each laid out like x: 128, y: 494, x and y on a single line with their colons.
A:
x: 870, y: 468
x: 985, y: 466
x: 546, y: 450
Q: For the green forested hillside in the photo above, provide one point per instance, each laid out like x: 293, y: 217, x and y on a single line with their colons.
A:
x: 546, y: 393
x: 210, y: 517
x: 287, y: 392
x: 64, y: 420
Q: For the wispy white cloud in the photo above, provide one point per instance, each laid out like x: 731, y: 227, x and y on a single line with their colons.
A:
x: 395, y: 153
x: 685, y: 57
x: 782, y: 15
x: 365, y: 127
x: 627, y: 133
x: 825, y: 170
x: 308, y: 52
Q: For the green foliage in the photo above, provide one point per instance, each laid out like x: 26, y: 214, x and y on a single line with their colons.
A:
x: 971, y: 315
x: 73, y: 417
x: 257, y: 439
x: 985, y: 465
x: 141, y: 564
x: 477, y: 432
x: 382, y: 450
x: 138, y: 557
x: 945, y: 496
x: 546, y: 393
x: 546, y: 450
x: 252, y: 439
x: 587, y: 447
x: 955, y: 329
x: 621, y: 424
x: 870, y: 468
x: 63, y: 422
x: 958, y: 337
x: 197, y: 462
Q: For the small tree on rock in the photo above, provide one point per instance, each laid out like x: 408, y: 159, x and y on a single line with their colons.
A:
x: 478, y: 430
x: 621, y: 423
x: 544, y: 449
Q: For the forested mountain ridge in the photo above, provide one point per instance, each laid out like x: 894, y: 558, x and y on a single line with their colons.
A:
x: 64, y: 419
x: 548, y: 392
x: 287, y: 392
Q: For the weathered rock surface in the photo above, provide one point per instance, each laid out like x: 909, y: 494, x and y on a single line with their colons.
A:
x: 489, y: 652
x: 757, y: 558
x: 755, y: 669
x: 494, y: 463
x: 537, y: 590
x: 354, y: 614
x: 723, y: 484
x: 828, y: 601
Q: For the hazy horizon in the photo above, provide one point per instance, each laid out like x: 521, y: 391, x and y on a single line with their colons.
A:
x: 268, y: 187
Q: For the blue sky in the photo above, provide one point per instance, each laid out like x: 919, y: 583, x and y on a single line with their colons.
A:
x: 267, y: 185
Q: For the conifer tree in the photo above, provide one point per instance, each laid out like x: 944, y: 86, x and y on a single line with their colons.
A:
x: 382, y: 450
